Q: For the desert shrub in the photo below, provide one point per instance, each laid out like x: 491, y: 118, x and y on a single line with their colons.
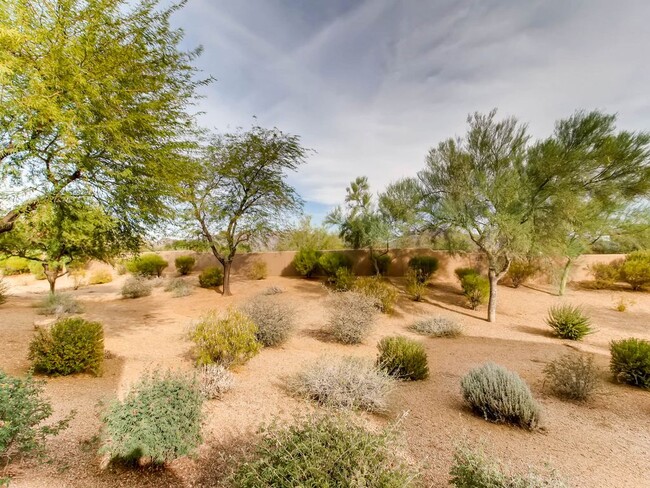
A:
x: 472, y: 469
x: 424, y: 266
x: 100, y: 277
x: 572, y: 376
x: 378, y: 289
x: 476, y: 289
x: 272, y: 290
x: 215, y: 380
x: 383, y: 263
x: 148, y: 265
x: 635, y: 270
x: 78, y: 276
x: 463, y: 272
x: 184, y: 264
x: 23, y: 410
x: 351, y: 383
x: 306, y: 261
x: 630, y: 362
x: 59, y: 304
x: 606, y: 274
x: 136, y: 287
x: 521, y: 271
x: 211, y: 277
x: 120, y: 267
x: 414, y: 286
x: 15, y: 265
x: 179, y: 287
x: 437, y: 327
x: 36, y: 268
x: 275, y: 321
x: 331, y: 262
x: 324, y: 451
x: 403, y: 358
x: 228, y: 340
x: 351, y: 316
x: 159, y: 419
x: 569, y: 322
x: 4, y: 291
x: 257, y: 270
x: 71, y: 345
x: 343, y: 280
x: 499, y: 395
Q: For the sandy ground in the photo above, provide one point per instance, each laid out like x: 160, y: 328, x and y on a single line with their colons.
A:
x: 604, y: 443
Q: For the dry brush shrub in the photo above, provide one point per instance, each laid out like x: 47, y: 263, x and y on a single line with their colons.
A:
x: 500, y: 395
x: 4, y: 291
x: 184, y: 264
x: 59, y: 304
x: 569, y: 322
x: 382, y: 291
x: 228, y: 339
x: 521, y: 271
x: 136, y: 287
x: 211, y: 277
x: 349, y: 383
x: 257, y: 270
x: 215, y: 380
x: 437, y: 327
x: 572, y: 376
x: 324, y: 451
x: 351, y: 316
x: 158, y: 420
x: 100, y: 277
x: 606, y: 274
x: 274, y: 319
x: 414, y: 286
x: 71, y: 345
x: 272, y: 290
x: 179, y: 287
x: 630, y: 361
x: 403, y: 358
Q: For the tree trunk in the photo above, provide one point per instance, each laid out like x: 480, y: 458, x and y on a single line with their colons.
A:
x: 565, y: 276
x: 492, y: 304
x: 51, y: 275
x: 373, y: 258
x: 227, y: 265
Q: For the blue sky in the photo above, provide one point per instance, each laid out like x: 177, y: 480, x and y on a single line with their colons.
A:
x: 371, y: 85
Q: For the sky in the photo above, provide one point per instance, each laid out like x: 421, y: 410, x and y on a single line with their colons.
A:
x: 371, y: 85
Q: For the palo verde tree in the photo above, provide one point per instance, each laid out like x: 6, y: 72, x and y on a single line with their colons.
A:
x: 238, y: 192
x: 66, y: 231
x: 478, y: 183
x: 94, y: 99
x: 306, y: 235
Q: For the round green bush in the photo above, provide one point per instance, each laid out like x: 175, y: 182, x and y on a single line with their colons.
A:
x: 568, y: 322
x: 184, y: 264
x: 15, y: 265
x: 306, y: 261
x: 630, y: 362
x: 403, y: 358
x: 476, y: 289
x: 71, y: 345
x: 343, y: 280
x: 635, y: 270
x: 331, y: 262
x: 148, y: 265
x: 499, y: 395
x: 462, y: 272
x: 424, y: 266
x: 211, y: 277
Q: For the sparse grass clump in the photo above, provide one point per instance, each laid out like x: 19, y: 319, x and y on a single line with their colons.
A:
x: 148, y: 265
x: 569, y: 322
x: 573, y: 377
x: 324, y: 452
x: 184, y: 264
x: 215, y: 380
x: 403, y: 358
x: 375, y: 287
x: 351, y: 316
x: 211, y: 277
x: 159, y: 419
x: 349, y: 383
x: 424, y: 267
x: 179, y: 287
x: 71, y: 345
x: 500, y: 395
x: 136, y: 287
x: 59, y: 304
x: 257, y: 270
x: 100, y: 277
x: 437, y: 327
x: 630, y: 362
x: 229, y: 339
x: 275, y: 320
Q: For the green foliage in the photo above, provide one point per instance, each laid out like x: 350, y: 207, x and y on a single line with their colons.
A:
x: 572, y: 376
x: 403, y: 358
x: 463, y: 272
x: 630, y: 362
x: 437, y: 327
x: 15, y: 265
x: 71, y: 345
x: 424, y: 266
x: 147, y: 265
x: 36, y: 268
x: 343, y: 280
x: 4, y: 291
x: 159, y: 419
x: 569, y: 322
x: 179, y: 288
x: 472, y: 469
x: 331, y: 262
x: 227, y: 340
x: 635, y: 270
x: 100, y: 277
x: 257, y: 270
x: 324, y: 452
x: 136, y: 287
x: 606, y: 274
x: 59, y: 304
x: 520, y: 271
x: 275, y: 320
x: 23, y: 411
x: 499, y: 395
x: 476, y: 289
x: 184, y: 264
x: 211, y: 277
x: 414, y: 285
x: 306, y: 236
x: 383, y: 263
x: 351, y: 316
x: 350, y: 383
x: 306, y: 261
x: 375, y: 287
